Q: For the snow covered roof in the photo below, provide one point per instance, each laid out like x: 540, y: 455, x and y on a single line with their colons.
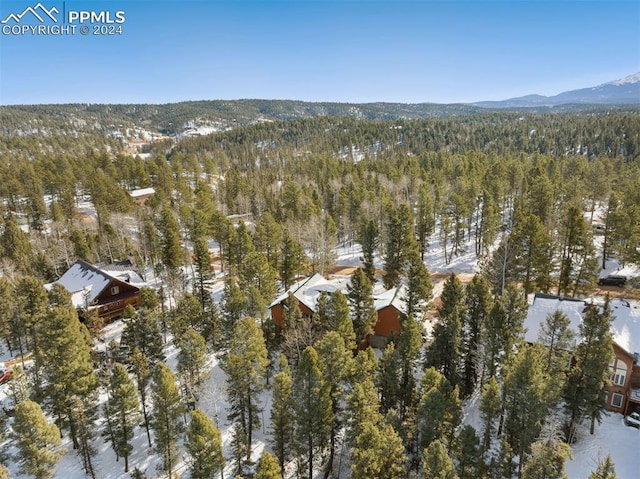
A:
x: 123, y: 272
x: 141, y: 192
x: 392, y: 297
x: 307, y: 291
x: 543, y: 306
x: 85, y: 282
x: 625, y: 327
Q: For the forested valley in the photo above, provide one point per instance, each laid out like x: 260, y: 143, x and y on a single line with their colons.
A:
x: 258, y: 207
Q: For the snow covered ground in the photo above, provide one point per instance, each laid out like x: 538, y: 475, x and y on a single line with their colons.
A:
x: 612, y: 437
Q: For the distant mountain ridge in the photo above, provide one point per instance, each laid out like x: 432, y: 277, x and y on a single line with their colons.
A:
x: 198, y: 117
x: 625, y: 91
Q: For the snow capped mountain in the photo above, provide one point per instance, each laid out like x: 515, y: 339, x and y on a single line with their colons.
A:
x: 625, y: 91
x: 628, y: 79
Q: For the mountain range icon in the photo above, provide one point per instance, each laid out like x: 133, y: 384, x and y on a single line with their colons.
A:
x: 37, y: 11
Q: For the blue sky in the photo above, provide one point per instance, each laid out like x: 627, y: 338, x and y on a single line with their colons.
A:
x: 346, y: 51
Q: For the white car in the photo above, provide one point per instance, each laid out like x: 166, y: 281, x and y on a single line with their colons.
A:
x: 633, y: 419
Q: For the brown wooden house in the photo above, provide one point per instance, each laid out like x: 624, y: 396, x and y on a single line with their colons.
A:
x: 623, y: 394
x: 107, y: 290
x: 306, y: 292
x: 390, y: 306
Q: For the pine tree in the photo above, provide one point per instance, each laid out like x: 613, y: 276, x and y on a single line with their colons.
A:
x: 488, y: 226
x: 37, y: 441
x: 436, y: 463
x: 82, y: 415
x: 19, y: 387
x: 166, y: 418
x: 80, y: 245
x: 141, y: 369
x: 143, y: 331
x: 360, y: 297
x: 590, y: 374
x: 378, y: 452
x: 68, y: 366
x: 363, y: 407
x: 388, y: 378
x: 282, y: 419
x: 192, y: 360
x: 172, y: 256
x: 336, y: 366
x: 399, y: 234
x: 557, y: 337
x: 515, y: 307
x: 245, y: 364
x: 30, y: 324
x: 578, y: 266
x: 622, y: 233
x: 444, y: 353
x: 123, y: 409
x: 478, y: 305
x: 187, y: 314
x: 490, y: 408
x: 493, y: 340
x: 16, y: 246
x: 526, y: 402
x: 204, y: 270
x: 408, y: 348
x: 268, y: 467
x: 439, y: 409
x: 500, y: 269
x: 292, y: 258
x: 425, y: 219
x: 204, y: 445
x: 468, y: 454
x: 258, y: 279
x: 7, y: 309
x: 312, y: 407
x: 233, y: 305
x: 268, y: 238
x: 419, y: 287
x: 531, y: 242
x: 337, y: 319
x: 239, y: 248
x: 547, y: 460
x: 212, y: 326
x: 368, y: 239
x: 238, y: 448
x: 605, y: 469
x: 148, y: 299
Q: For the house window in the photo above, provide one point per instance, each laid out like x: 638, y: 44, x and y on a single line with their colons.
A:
x: 115, y: 290
x: 616, y: 400
x: 619, y: 373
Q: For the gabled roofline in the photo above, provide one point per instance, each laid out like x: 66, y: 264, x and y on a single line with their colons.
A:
x: 97, y: 270
x: 284, y: 296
